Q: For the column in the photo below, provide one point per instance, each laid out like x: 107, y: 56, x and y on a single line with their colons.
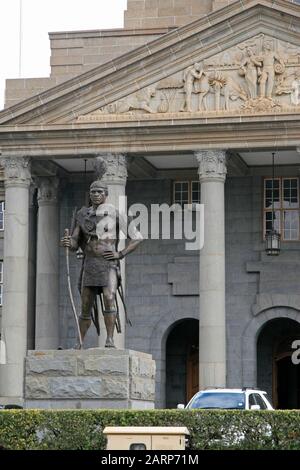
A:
x: 14, y: 312
x: 115, y: 177
x: 47, y: 266
x: 31, y: 268
x: 212, y: 337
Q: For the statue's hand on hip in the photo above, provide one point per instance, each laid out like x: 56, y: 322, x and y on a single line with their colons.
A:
x: 112, y: 255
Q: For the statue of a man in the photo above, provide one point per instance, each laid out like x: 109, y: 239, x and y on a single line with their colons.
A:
x: 96, y: 232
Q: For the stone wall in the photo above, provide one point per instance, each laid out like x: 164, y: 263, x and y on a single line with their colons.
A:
x: 19, y: 89
x: 151, y: 304
x: 73, y: 53
x: 78, y: 51
x: 157, y: 299
x: 164, y: 13
x: 242, y: 225
x: 168, y: 13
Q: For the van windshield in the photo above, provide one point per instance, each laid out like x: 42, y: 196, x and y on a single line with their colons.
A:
x: 232, y: 401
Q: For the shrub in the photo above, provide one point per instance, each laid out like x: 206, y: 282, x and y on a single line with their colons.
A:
x: 209, y: 429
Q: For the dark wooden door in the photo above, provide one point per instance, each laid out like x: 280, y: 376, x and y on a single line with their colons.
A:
x: 192, y: 380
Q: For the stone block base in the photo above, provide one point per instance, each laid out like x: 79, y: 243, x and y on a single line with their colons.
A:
x: 91, y: 378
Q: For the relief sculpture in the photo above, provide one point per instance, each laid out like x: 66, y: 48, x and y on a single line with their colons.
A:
x: 259, y: 75
x: 137, y: 101
x: 192, y: 73
x: 249, y: 69
x: 266, y: 77
x: 289, y: 84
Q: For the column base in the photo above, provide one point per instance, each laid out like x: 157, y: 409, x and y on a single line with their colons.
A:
x: 91, y: 378
x: 12, y: 401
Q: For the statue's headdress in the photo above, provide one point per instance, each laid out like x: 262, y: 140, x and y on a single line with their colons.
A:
x: 100, y: 167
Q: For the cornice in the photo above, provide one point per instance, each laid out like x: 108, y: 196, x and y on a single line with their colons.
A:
x: 241, y: 133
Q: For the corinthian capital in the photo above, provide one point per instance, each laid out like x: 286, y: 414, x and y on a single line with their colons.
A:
x: 212, y: 165
x: 112, y: 168
x: 16, y: 171
x: 47, y: 189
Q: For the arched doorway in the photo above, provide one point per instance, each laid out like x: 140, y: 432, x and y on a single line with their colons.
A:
x: 182, y: 362
x: 275, y: 371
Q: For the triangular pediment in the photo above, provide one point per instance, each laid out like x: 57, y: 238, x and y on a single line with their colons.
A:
x: 244, y: 58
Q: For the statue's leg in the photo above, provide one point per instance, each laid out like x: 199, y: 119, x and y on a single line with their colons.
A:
x: 262, y: 84
x: 270, y: 85
x: 88, y: 295
x: 110, y: 312
x: 189, y: 101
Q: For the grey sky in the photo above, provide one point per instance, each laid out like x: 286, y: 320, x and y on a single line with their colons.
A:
x: 38, y: 18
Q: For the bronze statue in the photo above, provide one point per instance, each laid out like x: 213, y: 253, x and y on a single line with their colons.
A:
x: 96, y: 232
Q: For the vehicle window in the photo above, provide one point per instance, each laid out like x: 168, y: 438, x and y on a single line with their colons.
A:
x: 252, y: 400
x: 228, y: 401
x: 260, y: 401
x: 269, y: 400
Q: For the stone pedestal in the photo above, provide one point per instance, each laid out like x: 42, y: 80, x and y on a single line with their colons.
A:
x: 91, y: 378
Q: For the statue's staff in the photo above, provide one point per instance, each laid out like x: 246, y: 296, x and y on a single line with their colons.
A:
x: 66, y: 234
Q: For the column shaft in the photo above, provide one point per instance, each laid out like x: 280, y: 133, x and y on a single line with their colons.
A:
x: 32, y: 269
x: 212, y: 338
x: 14, y: 312
x: 47, y: 270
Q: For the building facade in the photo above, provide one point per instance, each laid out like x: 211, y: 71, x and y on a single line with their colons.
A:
x: 187, y: 104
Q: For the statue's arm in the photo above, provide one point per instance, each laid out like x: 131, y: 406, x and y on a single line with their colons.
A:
x: 134, y: 235
x: 75, y: 238
x: 197, y: 75
x: 257, y: 62
x: 132, y: 245
x: 280, y: 59
x: 127, y: 226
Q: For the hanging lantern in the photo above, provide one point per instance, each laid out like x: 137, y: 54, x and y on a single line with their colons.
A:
x: 272, y: 243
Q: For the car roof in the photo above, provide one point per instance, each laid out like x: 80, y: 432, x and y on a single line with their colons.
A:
x: 231, y: 390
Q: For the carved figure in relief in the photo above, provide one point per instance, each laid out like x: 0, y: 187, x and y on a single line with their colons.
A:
x: 295, y: 95
x: 249, y: 69
x: 202, y: 87
x: 267, y: 73
x: 138, y: 101
x: 288, y: 84
x: 192, y: 73
x: 233, y: 91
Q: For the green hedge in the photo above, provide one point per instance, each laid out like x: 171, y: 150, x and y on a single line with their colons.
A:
x: 82, y: 429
